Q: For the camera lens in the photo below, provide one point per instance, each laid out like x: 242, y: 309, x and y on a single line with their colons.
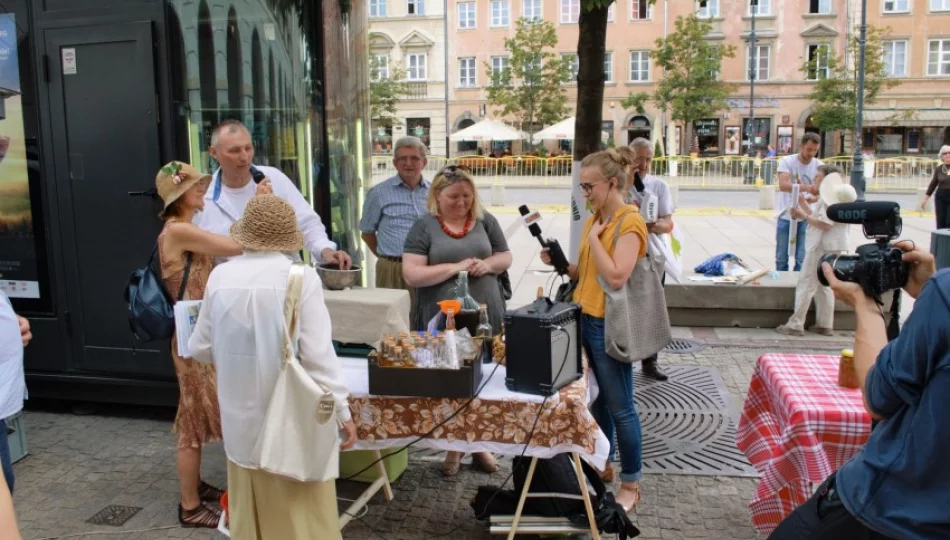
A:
x: 843, y: 265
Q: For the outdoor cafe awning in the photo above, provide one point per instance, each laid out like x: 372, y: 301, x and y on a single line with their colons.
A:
x: 562, y: 131
x: 488, y: 130
x: 922, y: 117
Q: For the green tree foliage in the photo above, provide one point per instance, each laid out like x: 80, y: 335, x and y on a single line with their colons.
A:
x: 690, y: 88
x: 531, y: 88
x: 385, y: 91
x: 834, y: 96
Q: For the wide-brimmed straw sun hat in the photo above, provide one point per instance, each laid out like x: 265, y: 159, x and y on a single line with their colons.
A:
x: 174, y: 179
x: 268, y: 224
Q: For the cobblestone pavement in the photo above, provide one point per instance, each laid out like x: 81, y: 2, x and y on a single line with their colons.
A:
x: 80, y: 463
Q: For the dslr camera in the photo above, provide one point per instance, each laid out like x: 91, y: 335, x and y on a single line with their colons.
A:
x: 877, y: 267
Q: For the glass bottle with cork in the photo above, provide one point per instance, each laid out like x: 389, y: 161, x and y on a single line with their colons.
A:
x: 484, y: 332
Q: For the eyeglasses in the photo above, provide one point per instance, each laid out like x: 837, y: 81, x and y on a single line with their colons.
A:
x: 588, y: 187
x: 454, y: 172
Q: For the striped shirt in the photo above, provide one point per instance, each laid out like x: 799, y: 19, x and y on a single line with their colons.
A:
x: 390, y: 210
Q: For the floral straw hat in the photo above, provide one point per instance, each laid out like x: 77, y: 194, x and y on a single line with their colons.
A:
x: 269, y: 224
x: 174, y: 179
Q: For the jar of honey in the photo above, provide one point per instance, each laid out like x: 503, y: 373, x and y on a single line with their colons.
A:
x: 847, y: 376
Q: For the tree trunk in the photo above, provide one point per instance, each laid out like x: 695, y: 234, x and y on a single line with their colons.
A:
x: 592, y: 28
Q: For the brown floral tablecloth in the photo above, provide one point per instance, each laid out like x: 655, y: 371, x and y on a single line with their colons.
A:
x: 497, y: 421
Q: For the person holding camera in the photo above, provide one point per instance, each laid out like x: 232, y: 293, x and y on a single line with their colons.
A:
x: 899, y: 484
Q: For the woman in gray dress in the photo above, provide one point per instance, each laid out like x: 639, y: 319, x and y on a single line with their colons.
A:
x: 456, y: 235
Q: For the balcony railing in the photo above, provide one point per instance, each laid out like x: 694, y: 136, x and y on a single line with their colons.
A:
x: 418, y: 90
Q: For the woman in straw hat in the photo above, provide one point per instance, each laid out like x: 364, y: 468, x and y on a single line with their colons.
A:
x: 182, y: 245
x: 241, y: 331
x: 823, y: 237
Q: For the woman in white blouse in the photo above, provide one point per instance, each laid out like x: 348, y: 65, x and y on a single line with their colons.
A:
x: 241, y: 331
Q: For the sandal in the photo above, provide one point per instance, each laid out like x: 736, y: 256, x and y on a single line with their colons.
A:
x: 486, y: 462
x: 200, y: 517
x: 633, y: 487
x: 209, y: 493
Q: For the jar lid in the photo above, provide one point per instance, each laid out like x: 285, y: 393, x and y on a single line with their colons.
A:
x: 847, y: 353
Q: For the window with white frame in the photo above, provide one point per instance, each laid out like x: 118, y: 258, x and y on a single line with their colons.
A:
x: 639, y: 10
x: 818, y: 62
x: 895, y: 58
x: 498, y: 65
x: 612, y: 12
x: 377, y: 8
x: 759, y: 62
x: 466, y: 15
x: 467, y: 72
x: 532, y: 10
x: 500, y: 13
x: 939, y: 5
x: 573, y: 63
x: 532, y: 66
x: 570, y: 11
x: 417, y: 7
x: 896, y: 6
x: 639, y: 66
x: 710, y: 11
x: 938, y: 57
x: 608, y: 67
x: 763, y: 8
x: 380, y: 67
x: 416, y: 66
x: 819, y: 6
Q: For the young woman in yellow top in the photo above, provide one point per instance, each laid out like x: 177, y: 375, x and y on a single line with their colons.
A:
x: 605, y: 185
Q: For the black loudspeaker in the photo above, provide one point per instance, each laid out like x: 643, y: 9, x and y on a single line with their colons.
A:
x: 543, y: 347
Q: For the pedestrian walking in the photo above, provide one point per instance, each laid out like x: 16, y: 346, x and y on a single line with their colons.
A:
x: 940, y: 185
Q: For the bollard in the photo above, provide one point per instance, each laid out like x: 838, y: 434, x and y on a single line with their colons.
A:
x: 767, y: 198
x: 940, y: 247
x: 498, y: 195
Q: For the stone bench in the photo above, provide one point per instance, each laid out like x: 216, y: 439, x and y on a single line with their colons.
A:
x: 767, y: 305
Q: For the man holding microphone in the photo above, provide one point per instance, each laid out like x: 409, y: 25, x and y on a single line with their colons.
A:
x: 233, y: 185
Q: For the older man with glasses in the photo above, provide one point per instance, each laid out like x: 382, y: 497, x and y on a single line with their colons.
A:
x: 390, y: 210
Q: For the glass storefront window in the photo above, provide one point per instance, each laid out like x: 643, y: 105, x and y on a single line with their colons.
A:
x: 890, y: 141
x: 382, y: 138
x: 707, y: 131
x: 934, y: 138
x: 761, y: 137
x: 24, y: 268
x: 263, y: 62
x: 420, y: 127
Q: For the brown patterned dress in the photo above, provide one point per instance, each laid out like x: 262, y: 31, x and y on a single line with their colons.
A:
x: 198, y: 421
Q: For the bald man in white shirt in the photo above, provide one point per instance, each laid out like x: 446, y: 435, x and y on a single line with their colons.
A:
x: 232, y: 187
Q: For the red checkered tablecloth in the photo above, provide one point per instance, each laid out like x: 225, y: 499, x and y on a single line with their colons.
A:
x: 797, y: 427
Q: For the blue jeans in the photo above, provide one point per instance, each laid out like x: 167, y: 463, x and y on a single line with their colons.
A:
x: 5, y: 459
x: 614, y: 405
x: 781, y: 245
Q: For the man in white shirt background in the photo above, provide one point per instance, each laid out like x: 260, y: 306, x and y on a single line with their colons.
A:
x: 800, y: 168
x: 643, y: 157
x: 14, y: 336
x: 232, y: 187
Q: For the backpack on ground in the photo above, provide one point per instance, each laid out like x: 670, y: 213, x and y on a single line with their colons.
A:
x: 151, y: 308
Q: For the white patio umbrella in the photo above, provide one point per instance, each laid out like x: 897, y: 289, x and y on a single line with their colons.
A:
x: 562, y: 131
x: 488, y: 130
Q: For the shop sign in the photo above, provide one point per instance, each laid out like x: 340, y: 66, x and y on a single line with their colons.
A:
x: 707, y: 128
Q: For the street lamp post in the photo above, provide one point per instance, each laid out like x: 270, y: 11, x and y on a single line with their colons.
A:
x: 753, y: 72
x: 857, y: 171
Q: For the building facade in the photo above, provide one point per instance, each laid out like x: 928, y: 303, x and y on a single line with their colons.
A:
x: 97, y: 95
x: 410, y: 35
x: 918, y: 52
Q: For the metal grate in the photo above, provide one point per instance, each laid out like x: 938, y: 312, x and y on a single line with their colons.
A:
x: 688, y: 424
x: 683, y: 346
x: 114, y: 515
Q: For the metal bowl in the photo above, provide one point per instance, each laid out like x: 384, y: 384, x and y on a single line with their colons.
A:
x: 335, y: 279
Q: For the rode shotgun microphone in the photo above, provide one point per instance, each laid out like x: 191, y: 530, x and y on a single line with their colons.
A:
x: 558, y: 260
x: 881, y: 219
x: 257, y: 175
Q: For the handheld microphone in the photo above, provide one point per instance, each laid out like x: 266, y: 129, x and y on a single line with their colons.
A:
x: 861, y: 212
x: 257, y: 175
x: 558, y: 260
x: 638, y: 182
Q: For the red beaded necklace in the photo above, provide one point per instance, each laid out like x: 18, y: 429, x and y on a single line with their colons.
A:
x: 453, y: 234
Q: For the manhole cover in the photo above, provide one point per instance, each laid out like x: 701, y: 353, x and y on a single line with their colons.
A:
x: 688, y: 424
x: 683, y: 346
x: 114, y: 515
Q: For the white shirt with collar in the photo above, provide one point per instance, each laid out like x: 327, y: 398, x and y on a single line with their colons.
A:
x: 12, y: 380
x: 241, y: 331
x: 224, y: 206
